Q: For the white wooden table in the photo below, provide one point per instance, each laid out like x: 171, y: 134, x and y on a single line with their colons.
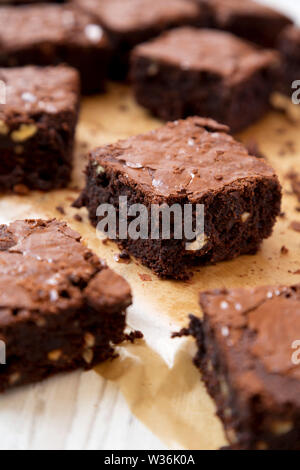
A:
x: 76, y: 411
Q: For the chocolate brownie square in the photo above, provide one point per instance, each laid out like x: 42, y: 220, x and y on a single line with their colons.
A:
x: 37, y: 126
x: 61, y: 308
x: 130, y: 22
x: 186, y: 163
x: 49, y: 34
x: 248, y: 19
x: 190, y: 71
x: 289, y: 70
x: 247, y: 354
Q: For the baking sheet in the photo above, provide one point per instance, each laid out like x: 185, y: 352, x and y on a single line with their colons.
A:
x: 156, y: 375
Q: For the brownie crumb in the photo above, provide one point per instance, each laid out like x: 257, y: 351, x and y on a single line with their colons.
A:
x: 181, y: 333
x: 122, y: 257
x: 284, y: 250
x: 83, y: 144
x: 145, y: 277
x: 295, y: 225
x: 74, y: 187
x: 21, y: 189
x: 290, y: 145
x: 280, y: 130
x: 253, y: 148
x: 284, y: 112
x: 60, y: 209
x: 134, y: 335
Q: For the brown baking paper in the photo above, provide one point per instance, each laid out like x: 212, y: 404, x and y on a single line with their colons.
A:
x: 156, y: 375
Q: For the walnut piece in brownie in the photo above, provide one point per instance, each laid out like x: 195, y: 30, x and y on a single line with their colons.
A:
x: 248, y: 19
x: 130, y: 22
x: 48, y: 34
x: 61, y: 308
x: 289, y: 70
x: 247, y: 355
x: 203, y: 72
x: 37, y: 126
x: 188, y: 162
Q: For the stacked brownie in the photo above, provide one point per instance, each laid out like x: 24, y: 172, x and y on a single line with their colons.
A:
x: 130, y: 22
x: 37, y: 126
x: 248, y: 19
x: 248, y: 357
x: 48, y: 34
x: 61, y: 308
x: 188, y: 162
x: 204, y: 72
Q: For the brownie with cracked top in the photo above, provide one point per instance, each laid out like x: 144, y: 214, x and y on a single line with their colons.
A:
x: 203, y: 72
x: 61, y: 307
x: 248, y: 19
x: 248, y: 355
x: 130, y: 22
x: 37, y: 126
x: 190, y: 162
x: 50, y: 34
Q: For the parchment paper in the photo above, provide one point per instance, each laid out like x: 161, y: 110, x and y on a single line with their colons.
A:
x: 156, y: 375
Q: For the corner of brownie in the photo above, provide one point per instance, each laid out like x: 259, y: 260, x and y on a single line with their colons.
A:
x: 247, y: 354
x: 189, y: 162
x: 61, y: 307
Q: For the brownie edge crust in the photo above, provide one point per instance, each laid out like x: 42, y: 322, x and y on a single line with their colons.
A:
x: 246, y: 348
x: 61, y: 307
x: 187, y: 162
